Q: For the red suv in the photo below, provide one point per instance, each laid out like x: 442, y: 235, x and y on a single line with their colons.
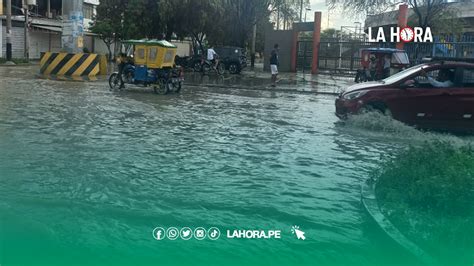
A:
x: 437, y: 95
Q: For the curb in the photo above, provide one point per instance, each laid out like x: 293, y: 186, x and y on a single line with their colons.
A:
x: 369, y: 201
x: 67, y: 78
x: 17, y: 65
x: 256, y: 88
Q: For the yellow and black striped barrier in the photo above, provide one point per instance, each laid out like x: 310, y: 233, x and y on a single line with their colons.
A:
x: 72, y: 65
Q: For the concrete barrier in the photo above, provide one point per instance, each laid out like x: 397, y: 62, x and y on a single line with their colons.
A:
x: 72, y: 65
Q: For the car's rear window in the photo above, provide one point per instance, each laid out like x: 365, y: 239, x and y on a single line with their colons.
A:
x: 468, y: 77
x: 400, y: 58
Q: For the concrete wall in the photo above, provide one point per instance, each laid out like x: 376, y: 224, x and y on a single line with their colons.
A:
x: 100, y: 47
x: 184, y: 47
x: 284, y: 38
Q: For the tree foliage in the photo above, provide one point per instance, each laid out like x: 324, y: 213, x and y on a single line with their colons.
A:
x: 108, y: 22
x: 222, y: 22
x: 428, y: 13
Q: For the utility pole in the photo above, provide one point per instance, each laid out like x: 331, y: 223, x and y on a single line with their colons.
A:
x: 27, y: 39
x: 48, y: 9
x: 301, y: 10
x: 9, y: 30
x: 254, y: 40
x: 329, y: 11
x: 73, y: 26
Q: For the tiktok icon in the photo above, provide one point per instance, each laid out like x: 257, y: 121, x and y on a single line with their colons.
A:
x: 213, y: 233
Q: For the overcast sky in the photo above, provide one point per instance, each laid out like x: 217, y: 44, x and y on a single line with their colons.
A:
x: 336, y: 20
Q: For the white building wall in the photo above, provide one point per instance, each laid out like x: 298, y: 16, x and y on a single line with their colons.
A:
x: 184, y: 47
x: 93, y: 2
x: 18, y: 44
x: 42, y: 42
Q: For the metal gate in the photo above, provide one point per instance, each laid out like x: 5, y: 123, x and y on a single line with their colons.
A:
x: 305, y: 56
x: 341, y: 55
x: 344, y: 56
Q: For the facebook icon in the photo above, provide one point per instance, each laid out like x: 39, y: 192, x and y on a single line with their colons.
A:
x: 158, y: 233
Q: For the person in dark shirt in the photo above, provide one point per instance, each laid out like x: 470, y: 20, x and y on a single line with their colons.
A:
x: 274, y: 64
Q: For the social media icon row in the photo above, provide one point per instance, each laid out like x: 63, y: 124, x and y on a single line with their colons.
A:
x: 186, y: 233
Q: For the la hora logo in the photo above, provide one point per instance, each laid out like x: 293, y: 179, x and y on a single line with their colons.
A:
x: 397, y: 34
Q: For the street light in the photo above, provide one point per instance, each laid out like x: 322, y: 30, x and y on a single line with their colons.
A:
x: 306, y: 10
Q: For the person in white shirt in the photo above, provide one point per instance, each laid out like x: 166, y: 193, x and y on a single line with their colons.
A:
x: 212, y: 56
x: 444, y: 79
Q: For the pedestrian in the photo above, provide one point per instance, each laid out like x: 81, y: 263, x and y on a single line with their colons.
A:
x: 386, y: 66
x: 274, y: 64
x: 373, y: 67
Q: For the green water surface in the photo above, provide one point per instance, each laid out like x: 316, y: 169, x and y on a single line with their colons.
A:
x: 87, y: 174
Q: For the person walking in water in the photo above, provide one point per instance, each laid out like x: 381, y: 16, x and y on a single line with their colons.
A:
x: 274, y: 64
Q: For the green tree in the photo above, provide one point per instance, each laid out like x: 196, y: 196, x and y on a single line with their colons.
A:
x: 108, y: 22
x: 223, y: 22
x: 143, y: 19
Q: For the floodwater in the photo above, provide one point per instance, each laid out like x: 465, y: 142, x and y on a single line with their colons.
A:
x: 87, y: 174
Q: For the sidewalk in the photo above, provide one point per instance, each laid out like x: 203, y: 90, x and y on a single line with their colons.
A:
x: 287, y: 82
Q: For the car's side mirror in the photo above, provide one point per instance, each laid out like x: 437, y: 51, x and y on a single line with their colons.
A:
x: 407, y: 84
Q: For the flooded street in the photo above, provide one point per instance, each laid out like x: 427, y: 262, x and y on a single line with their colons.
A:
x: 90, y: 173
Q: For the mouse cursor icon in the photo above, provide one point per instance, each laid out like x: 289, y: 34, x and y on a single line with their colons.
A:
x: 299, y: 234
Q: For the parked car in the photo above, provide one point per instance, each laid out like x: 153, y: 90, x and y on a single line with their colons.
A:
x: 410, y: 97
x: 233, y: 58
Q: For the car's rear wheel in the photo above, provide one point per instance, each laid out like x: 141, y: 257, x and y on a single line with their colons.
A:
x: 234, y: 68
x: 197, y: 67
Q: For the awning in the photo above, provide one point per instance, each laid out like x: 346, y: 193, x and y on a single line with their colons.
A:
x: 47, y: 28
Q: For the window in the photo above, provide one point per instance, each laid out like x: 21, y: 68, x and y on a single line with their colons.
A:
x: 440, y: 78
x: 468, y: 77
x: 141, y: 53
x: 400, y: 58
x: 152, y: 54
x: 88, y: 11
x: 168, y: 56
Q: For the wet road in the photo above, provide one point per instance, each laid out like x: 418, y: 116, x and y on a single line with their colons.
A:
x: 87, y: 173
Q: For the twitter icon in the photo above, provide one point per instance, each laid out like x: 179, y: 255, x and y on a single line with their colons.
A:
x: 186, y: 233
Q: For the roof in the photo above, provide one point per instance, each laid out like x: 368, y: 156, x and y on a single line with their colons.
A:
x: 162, y: 43
x: 48, y: 28
x: 383, y: 50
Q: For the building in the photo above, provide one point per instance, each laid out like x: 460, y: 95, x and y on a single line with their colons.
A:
x: 45, y: 28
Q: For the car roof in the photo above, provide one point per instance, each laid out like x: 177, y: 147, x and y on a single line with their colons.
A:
x: 449, y: 64
x: 150, y: 42
x: 383, y: 50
